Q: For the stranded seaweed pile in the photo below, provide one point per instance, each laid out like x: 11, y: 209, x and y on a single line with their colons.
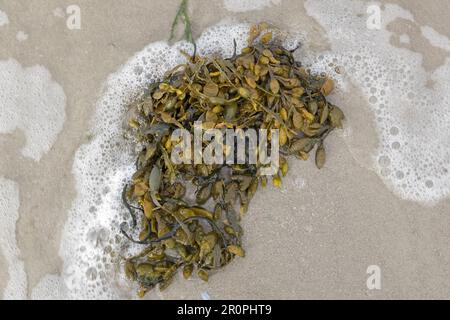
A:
x: 261, y: 88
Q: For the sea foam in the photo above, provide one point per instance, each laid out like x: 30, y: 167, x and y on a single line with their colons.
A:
x: 9, y: 214
x: 412, y: 118
x: 30, y: 100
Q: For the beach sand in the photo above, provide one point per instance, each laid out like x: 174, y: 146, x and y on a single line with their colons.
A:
x: 313, y: 239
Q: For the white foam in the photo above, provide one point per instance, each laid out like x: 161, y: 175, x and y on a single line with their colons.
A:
x: 9, y: 214
x: 102, y: 166
x: 435, y: 38
x: 249, y: 5
x: 49, y: 287
x: 21, y: 36
x: 413, y: 120
x: 3, y: 18
x: 31, y: 101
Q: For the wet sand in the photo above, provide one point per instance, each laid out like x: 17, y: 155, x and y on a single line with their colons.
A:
x: 314, y: 238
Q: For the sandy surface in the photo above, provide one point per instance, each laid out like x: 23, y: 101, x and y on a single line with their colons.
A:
x: 314, y: 240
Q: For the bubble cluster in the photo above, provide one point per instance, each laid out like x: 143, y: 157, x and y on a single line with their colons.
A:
x: 49, y: 288
x: 9, y: 214
x: 412, y: 118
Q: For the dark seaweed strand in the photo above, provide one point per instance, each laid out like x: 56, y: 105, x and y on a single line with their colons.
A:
x: 172, y: 232
x: 128, y: 206
x: 144, y: 241
x: 234, y: 49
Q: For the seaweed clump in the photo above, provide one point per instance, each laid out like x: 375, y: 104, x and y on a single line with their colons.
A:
x: 263, y: 87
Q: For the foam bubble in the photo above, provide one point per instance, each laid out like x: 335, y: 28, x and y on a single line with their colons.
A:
x: 3, y: 18
x: 32, y: 102
x: 9, y: 214
x: 21, y: 36
x: 413, y: 120
x: 249, y: 5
